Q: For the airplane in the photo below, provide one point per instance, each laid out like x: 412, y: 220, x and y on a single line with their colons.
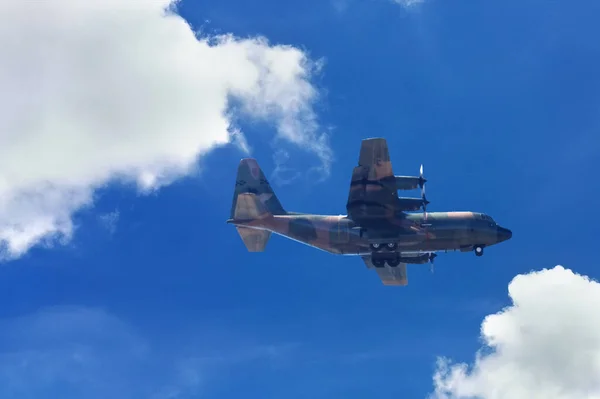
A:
x: 385, y: 230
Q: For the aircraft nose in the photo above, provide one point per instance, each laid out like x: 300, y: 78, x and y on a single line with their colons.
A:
x: 503, y: 234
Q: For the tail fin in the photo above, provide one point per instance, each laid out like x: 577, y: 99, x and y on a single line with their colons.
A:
x: 253, y: 199
x: 251, y: 179
x: 248, y: 207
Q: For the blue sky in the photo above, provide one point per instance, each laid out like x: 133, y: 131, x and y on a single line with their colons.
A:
x: 154, y: 296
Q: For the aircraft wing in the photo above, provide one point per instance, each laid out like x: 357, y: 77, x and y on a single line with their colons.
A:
x: 373, y: 191
x: 389, y: 275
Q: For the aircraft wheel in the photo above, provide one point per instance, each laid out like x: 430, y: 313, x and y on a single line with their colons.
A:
x: 478, y: 250
x: 393, y: 262
x: 391, y: 246
x: 377, y: 262
x: 375, y: 247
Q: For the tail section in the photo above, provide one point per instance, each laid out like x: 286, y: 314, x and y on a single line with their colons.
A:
x: 249, y: 211
x: 251, y: 179
x: 254, y: 240
x: 253, y: 200
x: 248, y: 208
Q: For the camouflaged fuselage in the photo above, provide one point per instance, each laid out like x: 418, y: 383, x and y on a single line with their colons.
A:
x: 379, y: 226
x: 440, y: 231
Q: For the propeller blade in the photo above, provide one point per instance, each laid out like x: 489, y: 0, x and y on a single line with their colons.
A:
x: 423, y: 197
x: 422, y: 180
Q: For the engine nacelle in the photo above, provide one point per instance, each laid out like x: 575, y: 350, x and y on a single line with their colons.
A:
x: 410, y: 204
x: 418, y: 260
x: 407, y: 182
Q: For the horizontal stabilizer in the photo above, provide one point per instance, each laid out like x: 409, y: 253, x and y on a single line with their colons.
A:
x: 254, y: 240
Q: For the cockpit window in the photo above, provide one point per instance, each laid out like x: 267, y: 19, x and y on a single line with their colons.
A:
x: 488, y: 219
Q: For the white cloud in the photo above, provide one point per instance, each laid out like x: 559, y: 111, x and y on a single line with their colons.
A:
x: 546, y: 345
x: 109, y: 220
x: 97, y: 90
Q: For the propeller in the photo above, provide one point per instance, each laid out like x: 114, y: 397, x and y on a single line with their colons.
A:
x: 422, y: 180
x: 425, y: 201
x: 432, y: 256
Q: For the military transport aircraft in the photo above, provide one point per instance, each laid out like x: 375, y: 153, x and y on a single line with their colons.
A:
x: 379, y: 226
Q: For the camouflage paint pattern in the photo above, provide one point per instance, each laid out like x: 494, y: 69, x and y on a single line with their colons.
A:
x: 340, y: 235
x: 373, y: 180
x: 375, y: 215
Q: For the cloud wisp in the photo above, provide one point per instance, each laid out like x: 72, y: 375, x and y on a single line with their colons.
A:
x: 408, y: 3
x: 73, y: 352
x: 104, y: 90
x: 81, y: 352
x: 546, y: 345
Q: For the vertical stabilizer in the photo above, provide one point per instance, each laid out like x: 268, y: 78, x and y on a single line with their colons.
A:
x: 251, y: 179
x: 248, y: 207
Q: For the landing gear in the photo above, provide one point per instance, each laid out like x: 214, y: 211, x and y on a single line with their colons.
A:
x: 378, y: 262
x: 382, y: 253
x: 394, y: 262
x: 390, y: 246
x: 380, y: 259
x: 478, y: 250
